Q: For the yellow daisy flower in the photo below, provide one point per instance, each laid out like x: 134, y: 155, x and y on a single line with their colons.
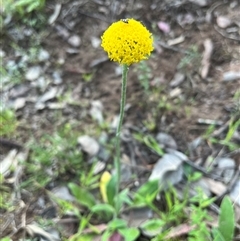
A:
x: 127, y: 41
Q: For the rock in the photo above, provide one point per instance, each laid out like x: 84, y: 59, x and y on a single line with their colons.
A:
x: 96, y: 111
x: 175, y: 92
x: 177, y: 79
x: 225, y: 167
x: 33, y: 73
x: 231, y: 75
x: 57, y: 79
x: 43, y: 55
x: 48, y: 95
x: 89, y: 145
x: 166, y: 140
x: 74, y: 40
x: 223, y: 21
x: 201, y: 3
x: 95, y: 42
x: 2, y: 53
x: 19, y: 103
x: 72, y: 51
x: 168, y: 170
x: 63, y: 193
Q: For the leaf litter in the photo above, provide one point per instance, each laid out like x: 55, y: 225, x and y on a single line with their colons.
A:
x: 206, y: 96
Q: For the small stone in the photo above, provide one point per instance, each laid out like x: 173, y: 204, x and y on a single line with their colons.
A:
x: 231, y: 76
x: 168, y: 170
x: 19, y: 103
x: 225, y: 168
x: 57, y: 79
x: 89, y: 145
x: 63, y: 193
x: 33, y: 73
x: 96, y: 111
x: 166, y: 140
x: 201, y: 3
x: 74, y: 40
x: 72, y: 51
x: 95, y: 42
x: 2, y: 53
x: 223, y: 22
x: 175, y: 92
x: 43, y: 55
x: 177, y: 79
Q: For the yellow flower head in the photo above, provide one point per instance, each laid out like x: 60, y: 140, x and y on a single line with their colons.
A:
x: 127, y: 41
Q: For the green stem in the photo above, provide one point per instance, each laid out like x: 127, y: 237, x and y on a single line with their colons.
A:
x: 117, y: 159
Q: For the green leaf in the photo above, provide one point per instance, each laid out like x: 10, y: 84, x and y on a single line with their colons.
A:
x: 146, y: 193
x: 226, y: 219
x: 117, y: 224
x: 123, y: 197
x: 103, y: 207
x: 83, y: 196
x: 205, y: 203
x: 153, y: 144
x: 106, y: 235
x: 111, y: 190
x: 153, y: 226
x: 5, y: 239
x: 217, y: 235
x: 129, y: 234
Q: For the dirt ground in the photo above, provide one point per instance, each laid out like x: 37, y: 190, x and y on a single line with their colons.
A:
x: 208, y: 98
x: 183, y: 31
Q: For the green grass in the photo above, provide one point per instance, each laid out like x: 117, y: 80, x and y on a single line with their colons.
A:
x: 59, y: 152
x: 22, y: 7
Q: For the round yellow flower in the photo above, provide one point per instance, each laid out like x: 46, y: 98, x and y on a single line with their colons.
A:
x: 127, y: 41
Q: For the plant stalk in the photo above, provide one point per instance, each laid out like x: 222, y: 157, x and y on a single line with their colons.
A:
x: 118, y: 139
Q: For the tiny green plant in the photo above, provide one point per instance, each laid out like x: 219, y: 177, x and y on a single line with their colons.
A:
x: 150, y: 142
x: 22, y: 7
x: 225, y: 229
x: 144, y: 75
x: 58, y: 149
x: 191, y: 60
x: 8, y: 122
